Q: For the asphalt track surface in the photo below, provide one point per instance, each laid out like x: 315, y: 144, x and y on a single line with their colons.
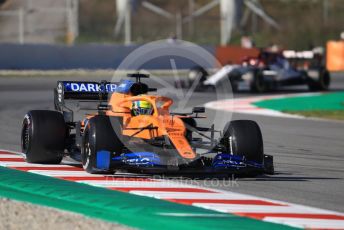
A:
x: 308, y: 154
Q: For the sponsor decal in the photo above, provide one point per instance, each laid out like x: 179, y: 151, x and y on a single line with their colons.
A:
x: 59, y: 92
x: 225, y: 160
x: 140, y: 159
x: 89, y: 87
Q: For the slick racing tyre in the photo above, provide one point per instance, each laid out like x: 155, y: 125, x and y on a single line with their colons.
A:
x: 258, y: 84
x: 321, y: 83
x: 43, y: 136
x: 101, y: 141
x: 244, y: 138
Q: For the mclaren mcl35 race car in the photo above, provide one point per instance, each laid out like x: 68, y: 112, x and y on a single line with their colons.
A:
x: 268, y: 71
x: 132, y: 129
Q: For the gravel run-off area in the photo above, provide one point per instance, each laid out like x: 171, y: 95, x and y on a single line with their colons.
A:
x: 15, y: 215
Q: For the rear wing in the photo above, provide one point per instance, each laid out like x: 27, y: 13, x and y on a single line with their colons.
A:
x: 96, y: 91
x: 74, y: 90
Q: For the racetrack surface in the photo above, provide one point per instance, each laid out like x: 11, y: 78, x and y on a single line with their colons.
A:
x: 308, y: 154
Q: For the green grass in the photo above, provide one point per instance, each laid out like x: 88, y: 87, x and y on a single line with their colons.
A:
x: 316, y: 102
x: 326, y: 114
x: 323, y: 105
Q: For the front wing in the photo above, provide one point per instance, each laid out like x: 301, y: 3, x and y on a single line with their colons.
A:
x: 149, y: 162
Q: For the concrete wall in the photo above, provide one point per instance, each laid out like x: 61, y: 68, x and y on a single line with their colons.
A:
x: 90, y: 56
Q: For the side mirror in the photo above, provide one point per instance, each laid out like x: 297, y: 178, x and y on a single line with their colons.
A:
x: 198, y: 110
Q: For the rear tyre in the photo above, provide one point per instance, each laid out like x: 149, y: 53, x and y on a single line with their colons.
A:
x: 234, y: 78
x: 244, y: 138
x: 43, y: 137
x: 322, y: 83
x: 101, y: 141
x: 258, y: 85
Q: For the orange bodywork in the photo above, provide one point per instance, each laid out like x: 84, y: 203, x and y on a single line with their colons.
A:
x: 160, y: 123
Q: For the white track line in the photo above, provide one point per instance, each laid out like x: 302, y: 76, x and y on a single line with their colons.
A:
x: 14, y: 164
x: 193, y: 195
x: 308, y: 223
x: 235, y: 208
x: 10, y: 156
x: 134, y: 184
x: 64, y: 173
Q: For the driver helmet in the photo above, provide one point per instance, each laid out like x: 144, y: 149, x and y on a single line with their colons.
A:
x: 141, y: 108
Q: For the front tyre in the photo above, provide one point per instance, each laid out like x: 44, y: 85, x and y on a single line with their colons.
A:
x: 101, y: 141
x: 322, y: 83
x: 244, y: 138
x: 43, y: 137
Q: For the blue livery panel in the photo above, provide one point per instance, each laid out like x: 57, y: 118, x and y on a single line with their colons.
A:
x: 98, y: 91
x: 124, y: 86
x: 226, y: 161
x: 142, y: 159
x: 89, y: 87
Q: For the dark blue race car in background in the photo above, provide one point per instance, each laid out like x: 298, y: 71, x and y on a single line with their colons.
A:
x: 268, y: 71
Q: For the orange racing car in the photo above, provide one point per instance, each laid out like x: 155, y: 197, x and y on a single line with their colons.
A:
x: 134, y: 130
